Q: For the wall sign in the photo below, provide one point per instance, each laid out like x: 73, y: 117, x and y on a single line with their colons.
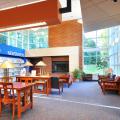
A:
x: 12, y: 51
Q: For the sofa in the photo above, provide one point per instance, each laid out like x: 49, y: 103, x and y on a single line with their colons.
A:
x: 87, y: 77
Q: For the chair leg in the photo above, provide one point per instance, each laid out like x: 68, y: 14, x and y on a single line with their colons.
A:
x: 13, y: 111
x: 59, y: 90
x: 62, y: 87
x: 103, y: 92
x: 119, y: 92
x: 68, y: 85
x: 0, y: 107
x: 44, y: 88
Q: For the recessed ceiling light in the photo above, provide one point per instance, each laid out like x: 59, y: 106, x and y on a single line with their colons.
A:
x: 22, y: 5
x: 79, y: 21
x: 23, y: 26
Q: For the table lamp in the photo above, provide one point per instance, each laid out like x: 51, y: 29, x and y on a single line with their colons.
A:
x: 28, y: 64
x: 41, y: 64
x: 6, y: 65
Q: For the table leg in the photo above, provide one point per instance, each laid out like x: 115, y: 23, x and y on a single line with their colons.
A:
x: 31, y: 97
x: 19, y: 104
x: 47, y: 87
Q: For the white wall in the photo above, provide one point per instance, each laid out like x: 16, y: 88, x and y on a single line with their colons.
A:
x: 72, y: 52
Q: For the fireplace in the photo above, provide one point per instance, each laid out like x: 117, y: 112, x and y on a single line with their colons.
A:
x: 60, y: 66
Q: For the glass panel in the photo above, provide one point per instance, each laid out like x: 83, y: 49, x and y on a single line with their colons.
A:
x: 25, y: 45
x: 92, y: 69
x: 12, y: 38
x: 96, y: 53
x: 90, y: 35
x: 32, y: 37
x: 19, y: 39
x: 118, y: 71
x: 89, y: 54
x: 111, y: 51
x: 3, y: 39
x: 90, y: 43
x: 25, y: 36
x: 102, y: 42
x: 89, y: 60
x: 31, y: 46
x: 36, y: 38
x: 102, y: 33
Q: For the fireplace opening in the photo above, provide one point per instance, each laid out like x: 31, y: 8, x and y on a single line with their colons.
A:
x: 60, y: 66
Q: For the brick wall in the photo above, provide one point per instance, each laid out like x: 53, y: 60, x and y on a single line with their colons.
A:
x: 48, y: 61
x: 62, y: 58
x: 68, y: 33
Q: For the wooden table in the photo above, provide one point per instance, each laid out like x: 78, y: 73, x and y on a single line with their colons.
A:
x: 25, y: 89
x: 42, y: 77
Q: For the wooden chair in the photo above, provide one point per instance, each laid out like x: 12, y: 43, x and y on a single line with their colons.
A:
x: 107, y: 84
x: 38, y: 84
x: 102, y: 78
x: 8, y: 97
x: 26, y: 80
x: 67, y: 79
x: 57, y: 83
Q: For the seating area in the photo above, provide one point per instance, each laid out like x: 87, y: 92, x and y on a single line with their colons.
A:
x: 20, y: 93
x: 72, y: 101
x: 59, y: 60
x: 17, y: 94
x: 107, y: 84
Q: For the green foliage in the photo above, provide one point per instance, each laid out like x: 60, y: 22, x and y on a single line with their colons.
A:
x: 78, y: 73
x: 89, y: 43
x: 102, y: 63
x: 92, y: 57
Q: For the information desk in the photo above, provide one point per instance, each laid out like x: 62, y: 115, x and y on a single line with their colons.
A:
x: 26, y: 90
x: 36, y: 78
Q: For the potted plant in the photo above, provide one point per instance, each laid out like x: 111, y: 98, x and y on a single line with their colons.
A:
x: 77, y: 74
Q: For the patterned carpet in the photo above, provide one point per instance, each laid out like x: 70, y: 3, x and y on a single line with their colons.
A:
x: 82, y: 101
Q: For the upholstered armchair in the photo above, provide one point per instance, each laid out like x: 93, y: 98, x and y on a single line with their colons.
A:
x: 107, y: 84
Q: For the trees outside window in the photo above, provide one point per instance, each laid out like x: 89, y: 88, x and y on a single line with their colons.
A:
x: 96, y: 51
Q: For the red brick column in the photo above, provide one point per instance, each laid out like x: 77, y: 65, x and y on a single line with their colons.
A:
x: 48, y: 62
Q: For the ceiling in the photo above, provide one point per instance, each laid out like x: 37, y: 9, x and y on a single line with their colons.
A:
x: 27, y: 15
x: 99, y: 14
x: 76, y: 10
x: 75, y: 14
x: 96, y: 14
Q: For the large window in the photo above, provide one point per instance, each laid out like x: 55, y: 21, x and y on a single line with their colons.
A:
x: 114, y: 54
x: 3, y: 38
x: 102, y: 46
x: 26, y: 39
x: 95, y: 50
